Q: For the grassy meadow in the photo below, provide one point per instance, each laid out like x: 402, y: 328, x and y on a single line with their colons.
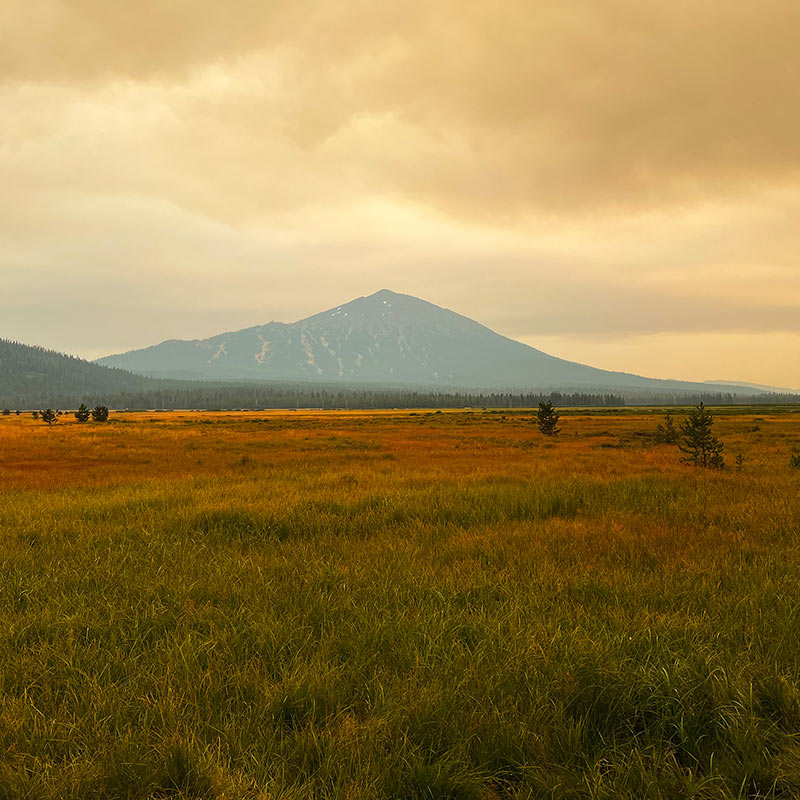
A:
x: 397, y: 605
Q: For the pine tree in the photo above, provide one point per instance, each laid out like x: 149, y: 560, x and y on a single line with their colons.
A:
x: 82, y: 414
x: 49, y: 416
x: 547, y: 419
x: 666, y: 432
x: 100, y: 414
x: 702, y: 448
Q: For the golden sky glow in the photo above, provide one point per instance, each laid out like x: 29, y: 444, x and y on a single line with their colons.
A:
x: 614, y: 181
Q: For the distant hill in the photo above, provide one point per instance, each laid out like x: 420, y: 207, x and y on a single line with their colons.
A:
x: 387, y: 338
x: 30, y: 376
x: 761, y: 387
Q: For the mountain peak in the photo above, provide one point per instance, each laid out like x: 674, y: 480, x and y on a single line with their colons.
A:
x: 383, y: 296
x: 384, y: 307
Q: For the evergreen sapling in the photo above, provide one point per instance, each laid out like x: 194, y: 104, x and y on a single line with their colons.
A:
x: 49, y: 416
x: 701, y: 447
x: 547, y: 419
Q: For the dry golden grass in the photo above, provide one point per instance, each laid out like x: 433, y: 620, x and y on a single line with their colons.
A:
x: 397, y: 604
x: 450, y: 445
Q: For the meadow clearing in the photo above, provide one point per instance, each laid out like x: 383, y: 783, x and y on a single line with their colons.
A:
x: 397, y: 605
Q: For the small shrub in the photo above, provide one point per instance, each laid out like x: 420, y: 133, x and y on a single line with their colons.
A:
x: 6, y: 412
x: 49, y: 416
x: 794, y: 460
x: 99, y: 414
x: 739, y: 460
x: 82, y: 414
x: 666, y: 432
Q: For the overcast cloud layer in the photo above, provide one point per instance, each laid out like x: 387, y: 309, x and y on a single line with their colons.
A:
x: 613, y: 181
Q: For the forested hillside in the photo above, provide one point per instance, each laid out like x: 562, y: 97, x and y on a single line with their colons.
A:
x: 31, y: 376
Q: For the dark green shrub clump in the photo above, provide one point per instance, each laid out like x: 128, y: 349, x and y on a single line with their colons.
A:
x: 666, y: 432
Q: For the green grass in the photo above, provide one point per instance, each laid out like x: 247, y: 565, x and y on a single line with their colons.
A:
x: 362, y: 631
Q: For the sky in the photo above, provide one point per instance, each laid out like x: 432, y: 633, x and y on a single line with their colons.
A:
x: 611, y: 181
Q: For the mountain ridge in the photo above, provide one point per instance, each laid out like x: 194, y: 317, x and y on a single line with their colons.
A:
x: 384, y: 337
x: 763, y: 387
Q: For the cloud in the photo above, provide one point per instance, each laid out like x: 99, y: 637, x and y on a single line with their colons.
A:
x: 481, y: 108
x: 611, y: 168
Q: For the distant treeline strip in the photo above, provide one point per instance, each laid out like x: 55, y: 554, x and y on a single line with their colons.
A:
x: 277, y: 396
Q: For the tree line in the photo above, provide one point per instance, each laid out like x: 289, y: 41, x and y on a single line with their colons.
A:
x: 275, y: 396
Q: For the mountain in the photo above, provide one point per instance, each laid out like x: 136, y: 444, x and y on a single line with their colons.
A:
x: 30, y: 376
x: 385, y: 338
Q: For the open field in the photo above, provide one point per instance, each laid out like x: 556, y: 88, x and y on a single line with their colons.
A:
x: 397, y: 605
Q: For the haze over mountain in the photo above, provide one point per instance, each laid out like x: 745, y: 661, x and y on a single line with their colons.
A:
x: 383, y: 338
